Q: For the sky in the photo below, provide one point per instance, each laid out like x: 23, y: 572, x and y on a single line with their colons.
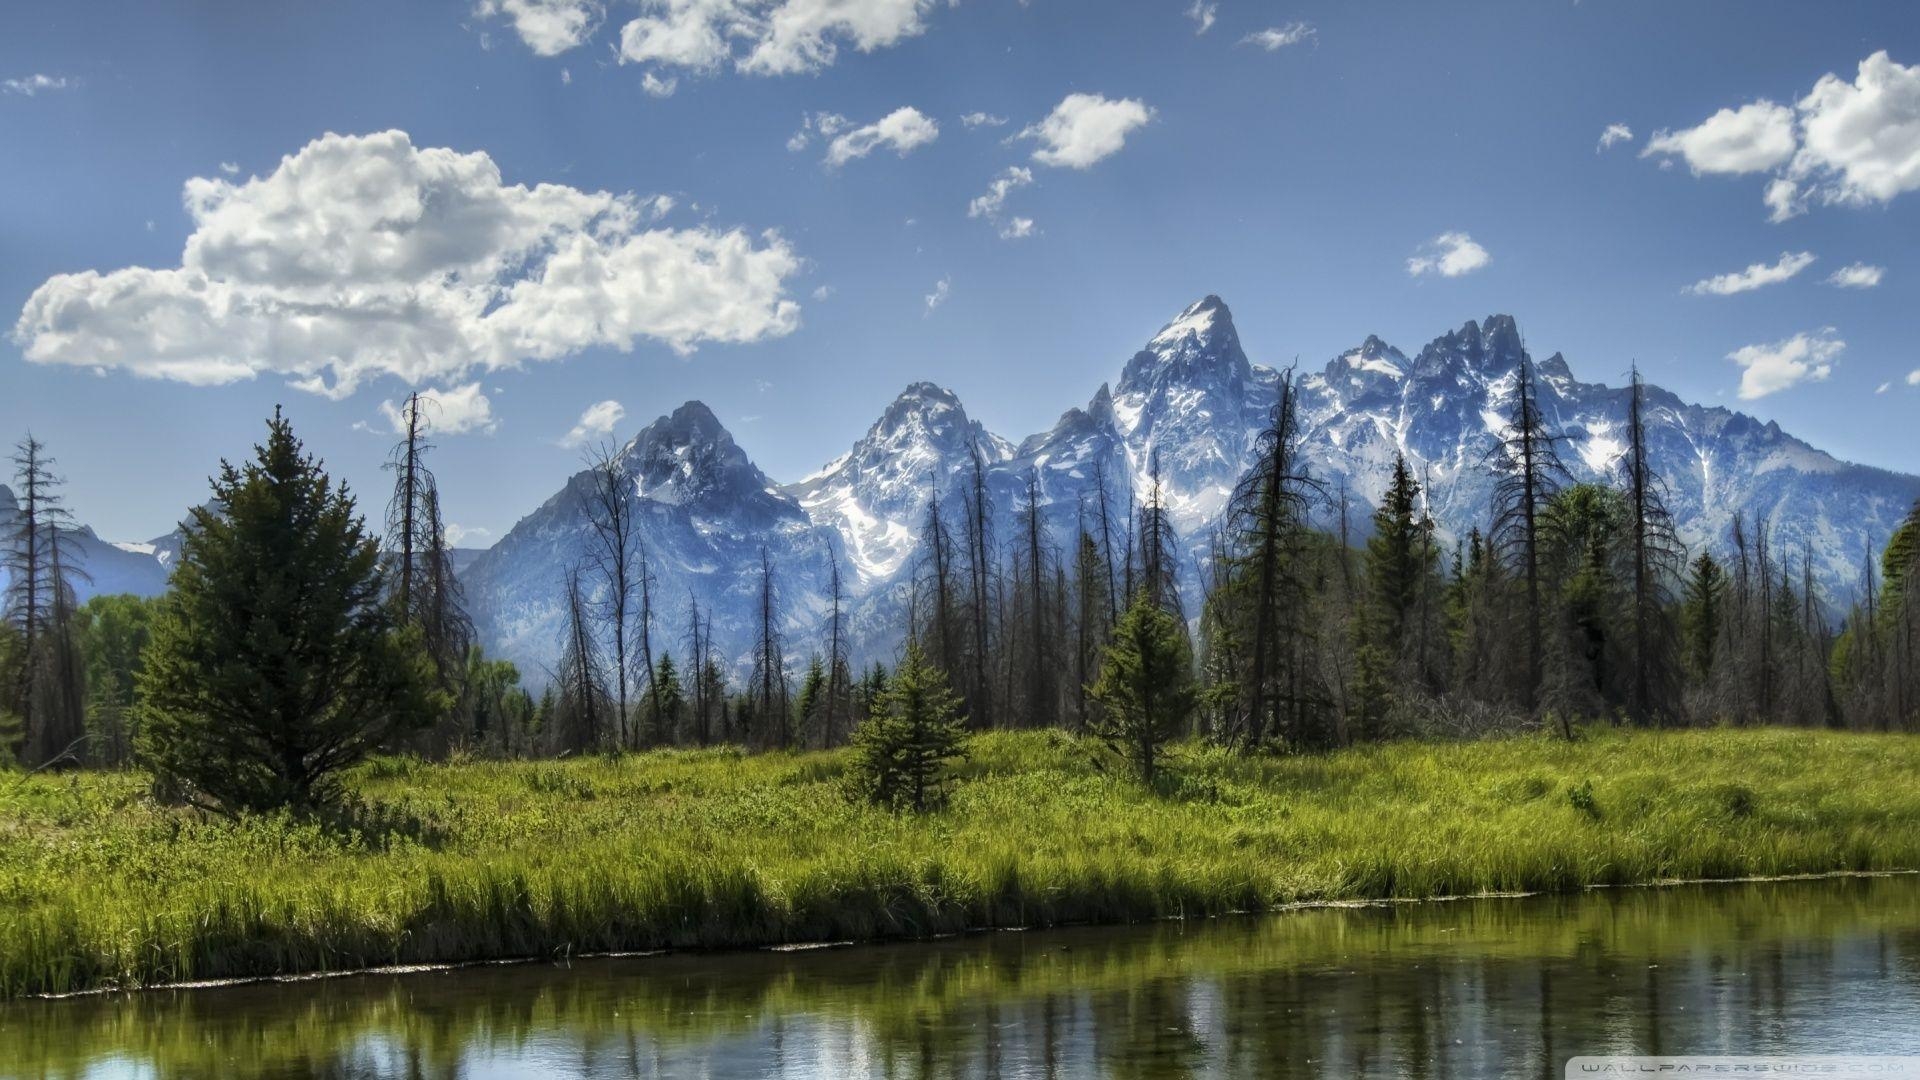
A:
x: 562, y: 218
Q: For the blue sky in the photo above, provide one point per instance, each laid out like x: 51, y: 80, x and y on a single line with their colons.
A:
x: 1303, y: 182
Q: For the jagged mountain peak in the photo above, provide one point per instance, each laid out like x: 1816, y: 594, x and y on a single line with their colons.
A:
x: 1200, y: 347
x: 689, y: 456
x: 8, y: 504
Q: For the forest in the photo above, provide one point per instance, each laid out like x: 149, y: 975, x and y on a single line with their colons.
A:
x: 1575, y: 604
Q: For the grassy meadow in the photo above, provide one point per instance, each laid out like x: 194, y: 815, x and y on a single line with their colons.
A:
x: 100, y: 886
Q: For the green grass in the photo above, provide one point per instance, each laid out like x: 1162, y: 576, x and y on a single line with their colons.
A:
x: 101, y: 887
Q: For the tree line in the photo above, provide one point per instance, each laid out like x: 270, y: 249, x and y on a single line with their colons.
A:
x: 295, y: 640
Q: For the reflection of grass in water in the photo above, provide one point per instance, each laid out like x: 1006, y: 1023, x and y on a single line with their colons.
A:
x: 893, y: 993
x: 98, y: 885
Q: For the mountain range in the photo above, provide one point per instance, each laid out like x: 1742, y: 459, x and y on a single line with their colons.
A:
x: 1188, y: 406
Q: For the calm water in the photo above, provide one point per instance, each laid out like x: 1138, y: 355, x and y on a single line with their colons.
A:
x: 1498, y: 987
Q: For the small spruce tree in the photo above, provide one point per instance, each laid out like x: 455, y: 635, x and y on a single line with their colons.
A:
x: 902, y: 750
x: 1146, y: 689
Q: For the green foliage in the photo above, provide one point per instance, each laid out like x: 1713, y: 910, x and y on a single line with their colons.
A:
x: 274, y: 664
x: 1146, y: 690
x: 1700, y: 613
x: 902, y: 750
x: 667, y: 704
x: 112, y: 632
x: 676, y: 848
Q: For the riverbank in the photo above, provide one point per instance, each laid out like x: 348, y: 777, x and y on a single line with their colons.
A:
x: 701, y: 849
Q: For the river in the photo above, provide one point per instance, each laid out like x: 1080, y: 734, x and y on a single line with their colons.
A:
x: 1460, y: 988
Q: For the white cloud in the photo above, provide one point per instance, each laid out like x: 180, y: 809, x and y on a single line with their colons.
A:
x: 655, y: 86
x: 903, y: 130
x: 980, y: 119
x: 230, y: 168
x: 1615, y: 133
x: 765, y: 37
x: 1883, y: 388
x: 1770, y: 369
x: 1085, y: 128
x: 1913, y: 377
x: 461, y: 535
x: 1860, y: 140
x: 1857, y: 276
x: 1784, y: 199
x: 939, y: 294
x: 822, y: 292
x: 1275, y: 38
x: 566, y: 76
x: 1752, y: 138
x: 1753, y: 277
x: 31, y: 85
x: 548, y: 27
x: 1202, y: 13
x: 361, y: 256
x: 1852, y: 143
x: 1450, y: 254
x: 457, y: 411
x: 990, y: 204
x: 597, y: 422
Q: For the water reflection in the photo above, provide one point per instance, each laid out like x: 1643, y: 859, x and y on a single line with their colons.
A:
x: 1466, y: 988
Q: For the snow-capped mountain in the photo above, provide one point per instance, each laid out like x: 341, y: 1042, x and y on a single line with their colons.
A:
x: 702, y: 512
x: 875, y: 495
x: 1192, y: 403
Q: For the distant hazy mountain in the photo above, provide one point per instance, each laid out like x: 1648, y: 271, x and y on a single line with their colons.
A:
x: 1192, y: 400
x: 101, y: 567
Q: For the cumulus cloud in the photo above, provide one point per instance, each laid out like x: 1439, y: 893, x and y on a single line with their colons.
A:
x: 1086, y: 128
x: 597, y: 422
x: 1913, y: 377
x: 457, y: 411
x: 1857, y: 276
x: 361, y: 256
x: 1848, y: 142
x: 33, y: 85
x: 1275, y: 38
x: 1450, y: 254
x: 1772, y: 368
x: 1016, y: 228
x: 1202, y: 13
x: 939, y: 294
x: 1752, y: 138
x: 763, y: 37
x: 1860, y: 140
x: 1615, y: 133
x: 548, y: 27
x: 981, y: 119
x: 1755, y: 276
x: 903, y: 130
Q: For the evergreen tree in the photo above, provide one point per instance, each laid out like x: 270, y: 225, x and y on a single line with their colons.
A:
x: 1401, y: 564
x: 810, y: 705
x: 903, y: 748
x: 666, y: 705
x: 274, y: 664
x: 112, y: 632
x: 1701, y: 614
x: 1146, y: 689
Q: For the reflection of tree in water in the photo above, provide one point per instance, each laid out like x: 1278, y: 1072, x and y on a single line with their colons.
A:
x: 1426, y: 990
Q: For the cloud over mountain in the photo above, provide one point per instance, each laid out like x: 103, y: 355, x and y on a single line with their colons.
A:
x: 362, y: 256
